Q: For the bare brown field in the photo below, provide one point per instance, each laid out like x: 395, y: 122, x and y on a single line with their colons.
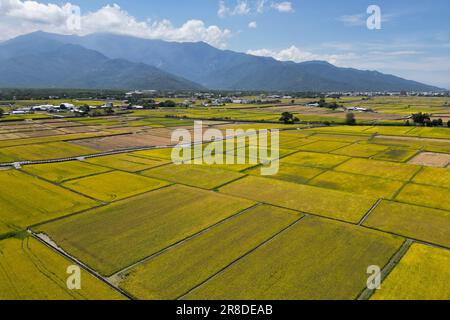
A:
x: 431, y: 159
x: 122, y: 142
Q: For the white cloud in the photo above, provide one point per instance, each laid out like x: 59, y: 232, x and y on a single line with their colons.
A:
x: 293, y: 54
x: 353, y: 20
x: 253, y: 25
x: 20, y: 17
x: 242, y: 8
x: 223, y: 9
x: 260, y: 6
x: 285, y: 6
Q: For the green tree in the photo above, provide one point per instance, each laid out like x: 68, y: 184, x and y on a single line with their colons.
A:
x: 350, y: 119
x: 288, y: 118
x: 1, y: 112
x: 421, y: 118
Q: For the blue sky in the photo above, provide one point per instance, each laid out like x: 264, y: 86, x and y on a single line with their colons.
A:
x: 414, y: 40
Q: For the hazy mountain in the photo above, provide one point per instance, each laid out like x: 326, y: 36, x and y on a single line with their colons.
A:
x: 37, y: 61
x: 222, y: 69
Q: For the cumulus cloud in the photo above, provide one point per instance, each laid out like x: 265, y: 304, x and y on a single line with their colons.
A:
x: 285, y: 6
x: 293, y: 54
x: 253, y: 25
x: 19, y: 17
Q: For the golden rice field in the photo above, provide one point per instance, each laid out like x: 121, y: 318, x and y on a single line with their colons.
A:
x: 344, y: 198
x: 310, y: 248
x: 422, y: 274
x: 31, y: 271
x: 146, y: 224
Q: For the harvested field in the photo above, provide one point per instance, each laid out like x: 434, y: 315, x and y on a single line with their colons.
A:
x: 422, y: 274
x: 31, y: 271
x: 315, y: 259
x: 197, y: 259
x: 308, y: 199
x: 145, y: 224
x: 123, y: 142
x: 430, y: 159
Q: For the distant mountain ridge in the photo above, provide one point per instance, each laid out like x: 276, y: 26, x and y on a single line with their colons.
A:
x: 47, y: 63
x: 204, y: 66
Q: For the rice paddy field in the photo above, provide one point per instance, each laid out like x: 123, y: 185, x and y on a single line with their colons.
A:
x: 104, y: 194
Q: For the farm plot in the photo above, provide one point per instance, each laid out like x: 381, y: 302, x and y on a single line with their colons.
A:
x: 25, y: 200
x: 430, y: 159
x: 422, y: 274
x: 428, y: 196
x: 144, y: 224
x: 291, y: 173
x: 433, y: 176
x: 31, y: 271
x: 308, y: 199
x: 113, y: 186
x: 355, y: 183
x: 44, y: 151
x: 165, y: 153
x: 314, y: 259
x: 387, y: 170
x: 123, y: 142
x: 198, y: 259
x: 317, y: 160
x: 323, y: 146
x: 396, y: 154
x: 62, y: 171
x: 194, y: 175
x: 426, y: 224
x: 126, y: 162
x: 362, y: 150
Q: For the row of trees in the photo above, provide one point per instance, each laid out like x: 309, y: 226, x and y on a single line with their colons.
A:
x: 424, y: 119
x: 289, y: 118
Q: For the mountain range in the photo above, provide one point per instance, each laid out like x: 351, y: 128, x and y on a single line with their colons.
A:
x: 122, y: 62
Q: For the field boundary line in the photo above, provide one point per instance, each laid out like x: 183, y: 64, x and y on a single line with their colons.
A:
x: 180, y: 242
x: 242, y: 257
x: 395, y: 259
x: 364, y: 218
x: 89, y: 270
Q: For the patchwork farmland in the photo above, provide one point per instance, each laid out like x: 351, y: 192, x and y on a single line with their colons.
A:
x: 107, y: 197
